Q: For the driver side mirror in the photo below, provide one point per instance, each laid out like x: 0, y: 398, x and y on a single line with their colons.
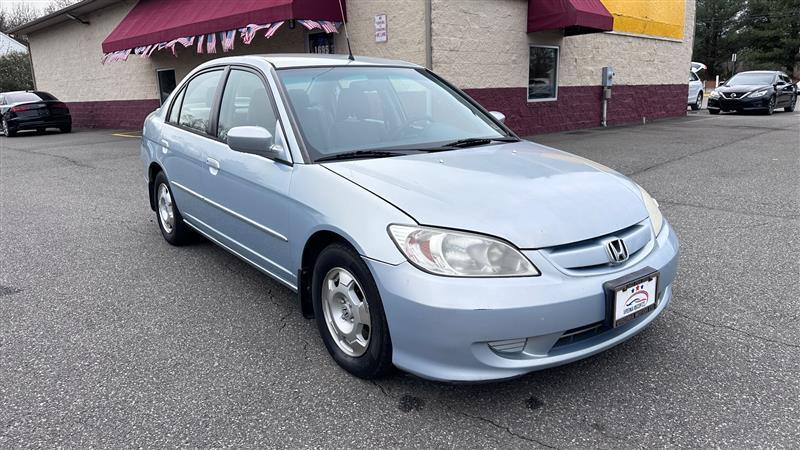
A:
x: 253, y: 140
x: 500, y: 117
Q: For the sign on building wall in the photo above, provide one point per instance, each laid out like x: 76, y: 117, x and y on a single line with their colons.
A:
x: 380, y: 28
x: 661, y: 18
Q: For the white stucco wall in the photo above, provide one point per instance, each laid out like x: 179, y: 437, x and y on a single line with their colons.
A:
x: 480, y: 44
x: 405, y: 27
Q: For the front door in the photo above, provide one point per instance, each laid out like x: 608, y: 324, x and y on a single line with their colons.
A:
x: 251, y: 190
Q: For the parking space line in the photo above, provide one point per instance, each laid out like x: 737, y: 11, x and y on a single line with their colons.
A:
x: 130, y: 134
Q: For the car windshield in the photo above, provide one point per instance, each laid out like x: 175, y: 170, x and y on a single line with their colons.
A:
x: 349, y: 109
x: 744, y: 79
x: 20, y: 97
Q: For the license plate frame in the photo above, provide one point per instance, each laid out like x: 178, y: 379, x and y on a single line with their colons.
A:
x: 612, y: 287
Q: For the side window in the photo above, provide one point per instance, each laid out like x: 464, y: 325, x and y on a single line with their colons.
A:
x: 693, y: 76
x: 245, y: 103
x: 176, y: 108
x: 198, y: 98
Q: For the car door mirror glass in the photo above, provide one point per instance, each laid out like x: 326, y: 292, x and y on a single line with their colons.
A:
x: 253, y: 140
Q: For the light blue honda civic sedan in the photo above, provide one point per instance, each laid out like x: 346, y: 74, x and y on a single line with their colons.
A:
x: 416, y: 228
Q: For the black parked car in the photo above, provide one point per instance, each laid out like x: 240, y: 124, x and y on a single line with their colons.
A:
x: 755, y: 90
x: 32, y: 110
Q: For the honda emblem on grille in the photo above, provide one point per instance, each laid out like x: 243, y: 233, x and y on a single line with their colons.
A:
x: 617, y: 250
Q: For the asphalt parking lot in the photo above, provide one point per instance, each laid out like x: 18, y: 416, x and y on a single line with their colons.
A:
x: 110, y: 337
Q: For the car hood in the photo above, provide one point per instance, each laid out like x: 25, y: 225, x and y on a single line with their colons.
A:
x: 528, y: 194
x: 744, y: 88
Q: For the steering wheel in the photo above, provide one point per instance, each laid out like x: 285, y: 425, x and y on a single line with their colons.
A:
x: 412, y: 127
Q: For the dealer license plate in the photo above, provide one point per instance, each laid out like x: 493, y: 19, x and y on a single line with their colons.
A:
x: 634, y: 299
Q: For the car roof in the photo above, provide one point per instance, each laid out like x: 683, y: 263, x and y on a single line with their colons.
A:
x: 293, y: 60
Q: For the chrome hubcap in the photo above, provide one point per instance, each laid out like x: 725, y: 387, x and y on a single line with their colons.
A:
x: 166, y: 211
x: 346, y: 312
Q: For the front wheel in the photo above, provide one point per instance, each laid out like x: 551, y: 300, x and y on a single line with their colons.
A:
x: 792, y: 104
x: 771, y: 106
x: 170, y: 221
x: 349, y: 313
x: 713, y: 111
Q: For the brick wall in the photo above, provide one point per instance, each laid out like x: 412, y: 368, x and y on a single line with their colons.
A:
x: 580, y: 107
x: 112, y: 114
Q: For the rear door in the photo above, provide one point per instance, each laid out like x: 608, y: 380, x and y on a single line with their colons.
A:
x: 184, y: 143
x: 785, y: 90
x: 252, y: 190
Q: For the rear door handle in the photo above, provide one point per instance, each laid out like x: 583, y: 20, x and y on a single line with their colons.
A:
x: 213, y: 165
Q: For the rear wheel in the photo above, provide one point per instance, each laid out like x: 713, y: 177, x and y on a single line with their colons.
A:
x: 8, y: 132
x: 698, y: 104
x: 349, y: 313
x: 170, y: 221
x: 792, y: 104
x: 66, y: 129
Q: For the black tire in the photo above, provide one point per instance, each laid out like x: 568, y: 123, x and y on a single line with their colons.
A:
x: 180, y: 233
x: 376, y: 361
x: 792, y: 104
x: 713, y: 111
x: 7, y: 131
x: 771, y: 108
x: 66, y: 129
x: 698, y: 104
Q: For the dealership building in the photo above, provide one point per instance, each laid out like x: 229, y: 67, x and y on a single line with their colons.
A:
x: 538, y: 61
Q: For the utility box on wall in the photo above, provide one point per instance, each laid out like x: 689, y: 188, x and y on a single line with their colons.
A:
x: 608, y: 77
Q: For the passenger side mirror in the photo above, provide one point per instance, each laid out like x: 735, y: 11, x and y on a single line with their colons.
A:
x: 253, y: 140
x: 500, y: 117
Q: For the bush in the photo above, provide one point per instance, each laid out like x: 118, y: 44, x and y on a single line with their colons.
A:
x: 15, y: 72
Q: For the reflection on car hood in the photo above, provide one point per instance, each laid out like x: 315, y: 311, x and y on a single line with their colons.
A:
x: 531, y: 195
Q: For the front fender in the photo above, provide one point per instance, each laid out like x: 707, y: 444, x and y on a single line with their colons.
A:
x: 326, y: 201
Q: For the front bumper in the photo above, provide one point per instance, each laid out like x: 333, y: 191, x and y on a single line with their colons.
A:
x: 441, y: 326
x: 739, y: 104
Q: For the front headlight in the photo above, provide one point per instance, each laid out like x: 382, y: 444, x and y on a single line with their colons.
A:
x: 656, y: 219
x: 460, y: 254
x: 714, y: 94
x: 757, y: 94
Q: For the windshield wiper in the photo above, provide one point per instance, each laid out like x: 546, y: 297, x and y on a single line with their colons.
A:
x: 472, y: 142
x: 360, y: 154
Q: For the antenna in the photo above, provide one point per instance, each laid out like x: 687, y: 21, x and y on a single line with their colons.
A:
x: 346, y: 34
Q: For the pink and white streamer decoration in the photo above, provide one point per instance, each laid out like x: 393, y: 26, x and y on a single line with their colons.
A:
x: 208, y: 42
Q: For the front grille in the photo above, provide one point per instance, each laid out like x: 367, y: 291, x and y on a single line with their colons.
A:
x: 591, y: 256
x: 581, y: 333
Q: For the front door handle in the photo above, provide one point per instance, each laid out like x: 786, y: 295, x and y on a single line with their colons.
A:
x: 213, y: 165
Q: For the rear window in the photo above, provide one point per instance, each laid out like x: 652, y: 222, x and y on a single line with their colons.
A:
x: 19, y: 97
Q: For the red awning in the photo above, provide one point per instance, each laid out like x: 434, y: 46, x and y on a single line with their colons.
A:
x: 574, y: 16
x: 156, y: 21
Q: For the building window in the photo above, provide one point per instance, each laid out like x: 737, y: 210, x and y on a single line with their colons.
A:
x: 166, y: 83
x: 319, y: 42
x: 543, y: 73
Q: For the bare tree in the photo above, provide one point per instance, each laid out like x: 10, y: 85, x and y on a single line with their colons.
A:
x: 19, y: 14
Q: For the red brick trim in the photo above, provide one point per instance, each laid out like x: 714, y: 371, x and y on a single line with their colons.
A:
x: 113, y: 114
x: 580, y: 107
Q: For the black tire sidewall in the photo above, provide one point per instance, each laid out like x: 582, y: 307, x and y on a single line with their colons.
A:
x: 377, y: 361
x: 181, y: 234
